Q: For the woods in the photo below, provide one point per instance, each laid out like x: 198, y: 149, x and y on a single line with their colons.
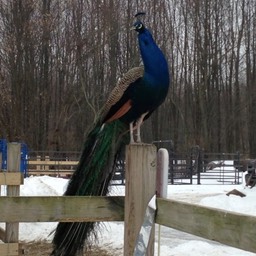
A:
x: 60, y: 59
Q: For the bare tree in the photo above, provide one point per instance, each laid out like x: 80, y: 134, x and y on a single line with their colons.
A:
x: 60, y: 59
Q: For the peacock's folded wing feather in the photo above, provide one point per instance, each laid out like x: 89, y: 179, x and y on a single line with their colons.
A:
x: 117, y: 93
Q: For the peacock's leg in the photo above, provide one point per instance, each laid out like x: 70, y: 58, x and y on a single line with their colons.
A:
x: 138, y: 133
x: 138, y: 125
x: 131, y: 133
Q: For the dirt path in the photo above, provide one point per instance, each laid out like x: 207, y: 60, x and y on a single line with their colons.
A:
x: 42, y: 248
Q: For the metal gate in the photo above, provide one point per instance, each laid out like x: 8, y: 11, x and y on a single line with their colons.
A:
x: 198, y: 167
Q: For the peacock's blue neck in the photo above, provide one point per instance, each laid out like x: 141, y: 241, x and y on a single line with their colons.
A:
x: 155, y: 64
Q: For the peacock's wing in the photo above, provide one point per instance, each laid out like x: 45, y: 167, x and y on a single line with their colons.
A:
x: 117, y: 93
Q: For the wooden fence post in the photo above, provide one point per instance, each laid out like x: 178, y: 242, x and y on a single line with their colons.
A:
x: 162, y: 182
x: 13, y: 165
x: 46, y: 167
x: 38, y: 159
x: 140, y: 186
x: 162, y: 172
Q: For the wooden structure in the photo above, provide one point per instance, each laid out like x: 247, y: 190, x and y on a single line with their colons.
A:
x: 51, y: 167
x: 13, y: 178
x: 140, y: 187
x: 229, y: 228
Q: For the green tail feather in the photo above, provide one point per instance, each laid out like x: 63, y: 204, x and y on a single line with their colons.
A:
x: 91, y: 178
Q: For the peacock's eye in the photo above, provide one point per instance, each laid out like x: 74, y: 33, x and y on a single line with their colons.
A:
x: 139, y: 26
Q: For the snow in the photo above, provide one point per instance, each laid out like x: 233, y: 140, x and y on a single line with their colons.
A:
x: 172, y: 242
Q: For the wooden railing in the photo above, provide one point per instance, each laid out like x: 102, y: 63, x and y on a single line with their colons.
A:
x: 58, y: 168
x: 141, y: 164
x: 39, y: 167
x: 233, y: 229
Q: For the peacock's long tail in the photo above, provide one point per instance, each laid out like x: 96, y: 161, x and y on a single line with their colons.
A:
x: 91, y: 178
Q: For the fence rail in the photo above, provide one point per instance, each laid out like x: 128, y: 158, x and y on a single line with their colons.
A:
x: 54, y: 209
x: 51, y: 167
x: 193, y: 167
x: 140, y: 163
x: 53, y: 163
x: 63, y: 168
x: 229, y: 228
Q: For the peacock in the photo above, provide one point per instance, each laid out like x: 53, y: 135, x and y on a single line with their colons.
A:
x: 137, y: 94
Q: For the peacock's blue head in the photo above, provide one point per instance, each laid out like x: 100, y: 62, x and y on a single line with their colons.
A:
x: 138, y: 26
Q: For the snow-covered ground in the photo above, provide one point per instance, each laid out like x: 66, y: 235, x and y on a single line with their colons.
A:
x: 172, y: 242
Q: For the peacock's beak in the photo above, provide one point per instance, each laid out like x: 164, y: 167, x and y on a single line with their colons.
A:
x: 133, y: 28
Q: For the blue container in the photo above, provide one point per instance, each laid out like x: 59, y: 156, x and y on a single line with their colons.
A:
x: 23, y: 156
x: 24, y: 159
x: 3, y: 150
